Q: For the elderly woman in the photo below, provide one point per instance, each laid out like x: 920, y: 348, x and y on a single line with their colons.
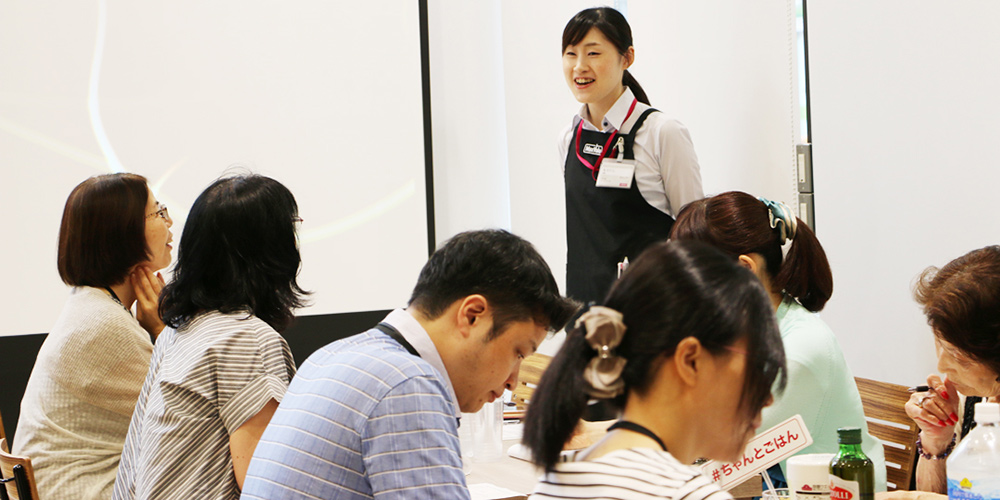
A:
x: 962, y: 304
x: 86, y: 380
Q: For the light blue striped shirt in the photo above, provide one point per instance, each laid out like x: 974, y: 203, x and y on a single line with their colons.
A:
x: 362, y: 419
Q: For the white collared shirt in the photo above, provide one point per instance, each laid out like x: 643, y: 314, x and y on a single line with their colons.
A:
x: 666, y: 172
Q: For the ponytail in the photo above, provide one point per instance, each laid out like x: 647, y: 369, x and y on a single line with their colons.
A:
x: 805, y: 272
x: 629, y: 81
x: 673, y: 291
x: 741, y: 224
x: 563, y: 389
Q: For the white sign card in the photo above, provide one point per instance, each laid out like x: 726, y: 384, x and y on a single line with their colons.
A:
x: 763, y: 451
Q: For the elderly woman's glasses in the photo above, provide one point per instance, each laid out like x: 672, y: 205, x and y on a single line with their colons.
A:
x: 161, y: 212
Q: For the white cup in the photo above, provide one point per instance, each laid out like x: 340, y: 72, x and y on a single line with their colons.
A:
x: 486, y: 428
x: 808, y: 476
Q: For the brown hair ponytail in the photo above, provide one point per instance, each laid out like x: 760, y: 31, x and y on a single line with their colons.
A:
x: 739, y: 224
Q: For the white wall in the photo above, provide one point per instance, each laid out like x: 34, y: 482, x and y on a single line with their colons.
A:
x: 471, y: 188
x: 725, y: 68
x: 905, y: 112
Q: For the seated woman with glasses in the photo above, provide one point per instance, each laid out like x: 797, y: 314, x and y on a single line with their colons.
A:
x: 962, y: 303
x: 219, y: 371
x: 686, y: 346
x: 821, y: 387
x: 86, y: 379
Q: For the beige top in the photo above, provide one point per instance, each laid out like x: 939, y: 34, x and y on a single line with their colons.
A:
x: 79, y: 400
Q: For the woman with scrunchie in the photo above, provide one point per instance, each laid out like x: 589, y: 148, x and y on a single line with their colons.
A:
x: 962, y: 304
x: 686, y: 346
x: 821, y: 387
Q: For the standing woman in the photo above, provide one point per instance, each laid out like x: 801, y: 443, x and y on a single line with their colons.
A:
x: 821, y: 387
x: 686, y: 346
x: 220, y: 370
x: 628, y: 169
x: 88, y: 373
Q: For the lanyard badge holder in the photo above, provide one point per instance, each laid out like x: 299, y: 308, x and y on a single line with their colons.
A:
x: 616, y: 173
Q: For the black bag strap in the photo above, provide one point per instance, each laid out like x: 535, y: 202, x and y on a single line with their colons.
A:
x: 398, y: 337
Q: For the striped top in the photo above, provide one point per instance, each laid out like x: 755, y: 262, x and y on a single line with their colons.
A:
x: 632, y: 474
x: 364, y: 418
x: 205, y: 380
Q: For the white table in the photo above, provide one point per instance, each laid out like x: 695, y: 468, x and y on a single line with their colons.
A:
x: 510, y: 473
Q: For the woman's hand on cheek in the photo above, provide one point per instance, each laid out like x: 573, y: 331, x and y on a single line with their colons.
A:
x: 147, y: 288
x: 935, y: 412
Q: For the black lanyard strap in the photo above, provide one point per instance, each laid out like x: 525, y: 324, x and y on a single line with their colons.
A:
x: 634, y: 427
x: 398, y: 337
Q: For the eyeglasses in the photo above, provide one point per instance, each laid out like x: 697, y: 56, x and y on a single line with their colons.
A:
x: 161, y: 212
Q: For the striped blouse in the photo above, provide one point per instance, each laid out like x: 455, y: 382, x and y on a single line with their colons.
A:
x: 205, y: 381
x: 632, y: 474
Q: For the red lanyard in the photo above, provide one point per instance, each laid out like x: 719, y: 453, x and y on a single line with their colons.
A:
x: 597, y: 165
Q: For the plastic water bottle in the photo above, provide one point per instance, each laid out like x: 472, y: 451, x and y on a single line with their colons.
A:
x: 974, y: 466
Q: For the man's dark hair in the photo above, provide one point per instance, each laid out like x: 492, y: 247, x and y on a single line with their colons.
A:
x: 500, y: 266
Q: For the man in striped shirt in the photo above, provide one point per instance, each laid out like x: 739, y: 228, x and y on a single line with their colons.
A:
x: 376, y: 414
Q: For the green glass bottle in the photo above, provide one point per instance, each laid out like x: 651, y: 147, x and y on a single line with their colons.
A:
x: 852, y: 473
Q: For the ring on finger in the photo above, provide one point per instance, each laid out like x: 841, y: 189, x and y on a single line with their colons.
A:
x: 923, y: 400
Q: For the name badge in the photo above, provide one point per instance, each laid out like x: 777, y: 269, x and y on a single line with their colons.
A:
x: 592, y: 149
x: 616, y: 174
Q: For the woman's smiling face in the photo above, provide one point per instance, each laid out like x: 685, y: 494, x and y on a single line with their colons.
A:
x: 158, y: 235
x: 593, y: 69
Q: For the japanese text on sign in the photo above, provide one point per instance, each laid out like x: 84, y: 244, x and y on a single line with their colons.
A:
x: 763, y: 451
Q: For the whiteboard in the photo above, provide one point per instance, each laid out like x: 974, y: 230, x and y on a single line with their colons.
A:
x: 324, y: 96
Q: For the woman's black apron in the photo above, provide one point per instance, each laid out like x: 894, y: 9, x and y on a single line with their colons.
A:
x: 604, y: 225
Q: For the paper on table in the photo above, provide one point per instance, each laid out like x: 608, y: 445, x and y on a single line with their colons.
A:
x: 520, y: 452
x: 487, y: 491
x: 512, y: 430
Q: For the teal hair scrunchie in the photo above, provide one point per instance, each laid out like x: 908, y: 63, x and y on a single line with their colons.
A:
x: 781, y: 218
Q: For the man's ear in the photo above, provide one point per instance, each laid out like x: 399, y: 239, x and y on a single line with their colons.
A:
x: 689, y: 357
x: 473, y: 309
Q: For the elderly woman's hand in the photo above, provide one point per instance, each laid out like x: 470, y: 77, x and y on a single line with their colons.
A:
x: 935, y: 412
x: 147, y: 288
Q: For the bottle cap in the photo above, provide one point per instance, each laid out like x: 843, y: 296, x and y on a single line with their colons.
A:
x: 987, y: 413
x: 849, y: 435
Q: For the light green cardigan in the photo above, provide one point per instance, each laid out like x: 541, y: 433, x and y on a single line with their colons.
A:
x: 820, y: 387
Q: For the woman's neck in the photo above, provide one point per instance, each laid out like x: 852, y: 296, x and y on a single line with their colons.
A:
x: 598, y: 110
x: 776, y: 299
x: 125, y: 293
x: 665, y: 420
